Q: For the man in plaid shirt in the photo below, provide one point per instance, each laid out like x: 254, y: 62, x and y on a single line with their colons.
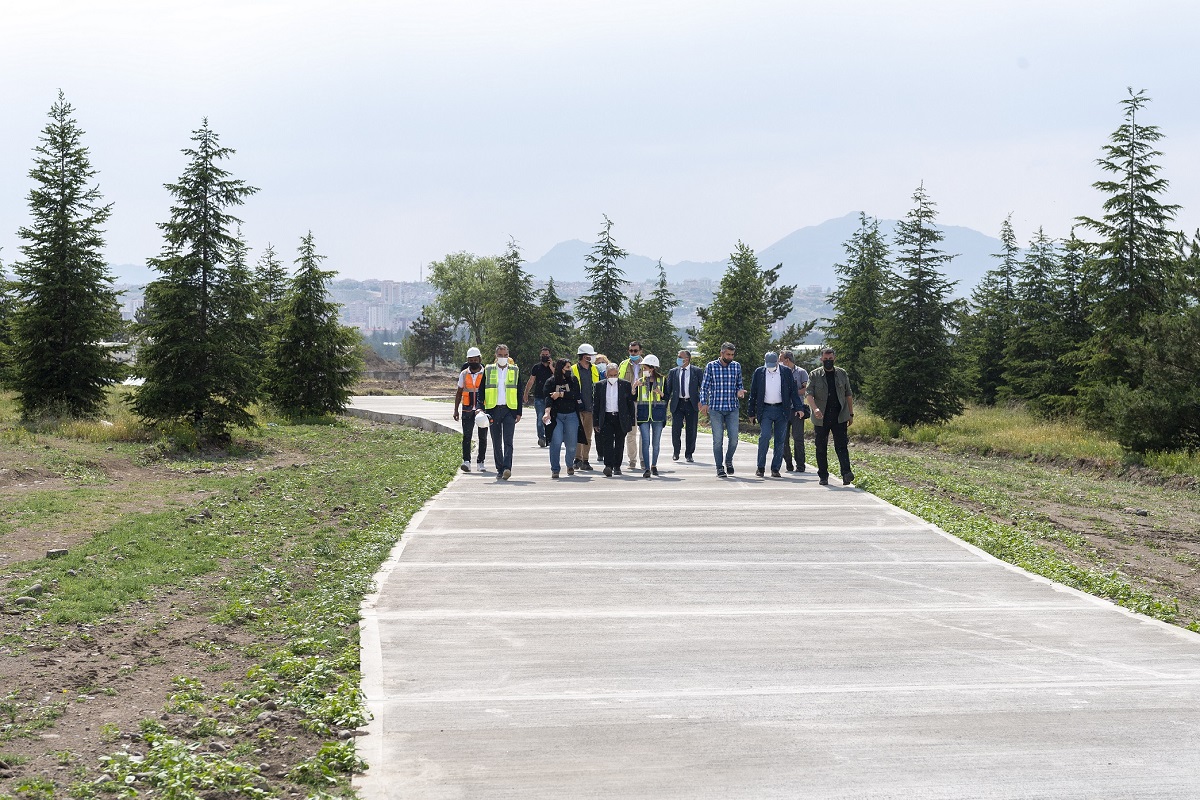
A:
x: 721, y: 391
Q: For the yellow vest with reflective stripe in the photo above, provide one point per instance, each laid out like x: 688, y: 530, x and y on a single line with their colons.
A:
x: 646, y: 396
x: 491, y: 388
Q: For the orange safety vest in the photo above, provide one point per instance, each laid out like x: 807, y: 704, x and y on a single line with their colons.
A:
x: 471, y: 381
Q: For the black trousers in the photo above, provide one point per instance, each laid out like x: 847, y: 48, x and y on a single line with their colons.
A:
x: 686, y: 415
x: 612, y: 442
x: 468, y: 426
x: 504, y: 424
x: 797, y: 438
x: 840, y: 445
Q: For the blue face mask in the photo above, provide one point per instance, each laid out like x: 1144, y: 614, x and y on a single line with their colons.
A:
x: 635, y: 359
x: 679, y: 362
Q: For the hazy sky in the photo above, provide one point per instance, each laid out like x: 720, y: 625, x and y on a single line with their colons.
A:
x: 400, y: 131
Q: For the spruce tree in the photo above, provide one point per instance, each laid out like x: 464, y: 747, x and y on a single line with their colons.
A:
x: 912, y: 374
x: 1036, y: 345
x: 315, y: 360
x: 430, y: 336
x: 1135, y: 269
x: 465, y: 282
x: 858, y: 299
x: 746, y: 306
x: 601, y: 312
x: 67, y: 308
x: 7, y: 307
x: 271, y: 285
x: 194, y: 373
x: 650, y: 320
x: 513, y: 316
x: 987, y: 327
x: 558, y: 331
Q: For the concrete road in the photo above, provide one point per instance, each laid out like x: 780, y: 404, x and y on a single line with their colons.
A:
x: 686, y: 637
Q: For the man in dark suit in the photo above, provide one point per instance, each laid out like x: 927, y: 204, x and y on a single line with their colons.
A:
x: 613, y: 417
x: 683, y: 401
x: 773, y: 402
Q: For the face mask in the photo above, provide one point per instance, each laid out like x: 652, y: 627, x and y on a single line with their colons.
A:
x: 679, y: 362
x: 828, y: 362
x: 545, y: 359
x: 612, y: 380
x: 502, y: 362
x: 772, y: 369
x: 474, y: 366
x: 635, y: 359
x: 726, y: 361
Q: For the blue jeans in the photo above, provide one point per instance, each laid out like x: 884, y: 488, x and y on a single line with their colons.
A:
x: 724, y: 423
x: 774, y: 421
x: 650, y: 430
x: 566, y: 432
x: 539, y: 405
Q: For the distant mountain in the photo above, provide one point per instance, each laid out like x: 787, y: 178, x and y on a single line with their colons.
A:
x: 807, y: 254
x: 133, y: 274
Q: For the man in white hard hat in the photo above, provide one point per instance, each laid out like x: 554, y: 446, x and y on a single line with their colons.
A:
x: 588, y: 376
x: 468, y: 397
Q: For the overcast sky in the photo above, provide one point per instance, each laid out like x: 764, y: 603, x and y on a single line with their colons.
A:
x: 400, y: 131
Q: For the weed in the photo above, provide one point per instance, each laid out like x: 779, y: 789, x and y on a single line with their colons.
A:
x: 36, y: 789
x: 109, y: 732
x: 332, y: 760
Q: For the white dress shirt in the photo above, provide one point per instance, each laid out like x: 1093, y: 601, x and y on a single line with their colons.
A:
x: 611, y: 405
x: 684, y: 374
x: 773, y: 393
x: 502, y: 386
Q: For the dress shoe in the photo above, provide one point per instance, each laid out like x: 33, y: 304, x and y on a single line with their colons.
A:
x: 775, y: 474
x: 689, y: 460
x: 542, y: 441
x: 646, y: 474
x: 824, y: 481
x: 616, y: 470
x: 654, y: 470
x: 759, y: 472
x: 553, y: 474
x: 675, y: 457
x: 608, y: 472
x: 847, y: 478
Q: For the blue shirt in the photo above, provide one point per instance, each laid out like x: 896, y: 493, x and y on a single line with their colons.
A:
x: 720, y: 385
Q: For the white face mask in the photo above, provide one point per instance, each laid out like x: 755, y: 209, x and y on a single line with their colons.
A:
x: 502, y: 361
x: 612, y: 380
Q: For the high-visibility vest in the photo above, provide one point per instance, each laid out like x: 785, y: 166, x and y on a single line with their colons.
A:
x: 624, y: 368
x: 646, y: 397
x: 595, y: 373
x: 471, y: 381
x: 491, y: 388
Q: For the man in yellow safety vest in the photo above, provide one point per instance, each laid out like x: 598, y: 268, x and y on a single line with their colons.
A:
x: 503, y: 408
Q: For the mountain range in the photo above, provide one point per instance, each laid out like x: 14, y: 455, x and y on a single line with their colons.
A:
x: 807, y: 254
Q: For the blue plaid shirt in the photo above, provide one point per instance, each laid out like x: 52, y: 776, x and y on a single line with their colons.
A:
x: 720, y: 385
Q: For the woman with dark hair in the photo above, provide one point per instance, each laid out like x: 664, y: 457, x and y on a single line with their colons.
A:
x: 562, y: 415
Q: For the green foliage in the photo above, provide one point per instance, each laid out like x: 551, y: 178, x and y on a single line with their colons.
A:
x: 314, y: 360
x: 558, y: 331
x: 175, y: 770
x: 7, y: 308
x: 912, y: 373
x: 464, y: 282
x: 271, y: 282
x: 649, y: 321
x: 430, y: 336
x: 745, y: 307
x: 601, y: 312
x: 195, y: 356
x: 512, y: 314
x: 857, y: 302
x: 333, y: 759
x: 67, y: 308
x: 989, y: 324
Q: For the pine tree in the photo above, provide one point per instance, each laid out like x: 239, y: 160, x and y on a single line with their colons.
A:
x: 193, y: 373
x: 558, y: 331
x: 465, y: 282
x: 315, y: 360
x: 513, y: 316
x: 650, y: 320
x: 7, y: 308
x: 601, y: 312
x: 430, y: 336
x: 987, y: 328
x: 1036, y: 344
x: 745, y: 307
x: 271, y: 285
x: 67, y: 308
x: 911, y: 373
x: 1135, y: 270
x: 858, y: 299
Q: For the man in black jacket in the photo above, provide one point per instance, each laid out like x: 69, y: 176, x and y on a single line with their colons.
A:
x: 613, y: 418
x: 773, y: 401
x: 683, y: 401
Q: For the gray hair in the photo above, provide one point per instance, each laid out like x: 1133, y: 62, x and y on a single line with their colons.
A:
x: 613, y: 365
x: 789, y: 355
x: 500, y: 347
x: 728, y: 346
x: 689, y: 353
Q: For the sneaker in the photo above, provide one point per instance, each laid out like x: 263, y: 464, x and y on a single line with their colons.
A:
x: 586, y: 466
x: 824, y: 481
x: 616, y: 470
x: 465, y: 466
x: 633, y: 465
x: 608, y: 472
x: 576, y: 463
x: 646, y: 474
x: 720, y: 473
x: 729, y: 468
x: 654, y: 470
x: 542, y: 441
x: 775, y: 474
x: 553, y: 474
x: 570, y: 470
x: 479, y: 467
x: 506, y: 474
x: 847, y: 478
x: 759, y: 472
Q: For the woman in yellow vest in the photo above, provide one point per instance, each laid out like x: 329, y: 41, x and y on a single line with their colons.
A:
x: 502, y: 407
x: 651, y: 412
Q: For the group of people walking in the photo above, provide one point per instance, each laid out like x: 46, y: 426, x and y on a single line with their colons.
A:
x: 622, y: 408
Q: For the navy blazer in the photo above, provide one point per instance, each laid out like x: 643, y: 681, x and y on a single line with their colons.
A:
x: 671, y: 394
x: 758, y: 388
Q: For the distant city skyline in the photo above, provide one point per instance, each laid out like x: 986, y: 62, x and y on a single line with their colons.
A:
x: 399, y: 132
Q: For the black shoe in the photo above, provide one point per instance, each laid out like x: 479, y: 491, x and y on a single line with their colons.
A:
x: 553, y: 474
x: 646, y: 474
x: 788, y: 467
x: 675, y: 457
x: 586, y: 466
x: 608, y: 472
x: 800, y: 468
x: 847, y: 478
x: 616, y: 470
x: 824, y: 481
x: 542, y: 442
x: 689, y: 459
x: 576, y: 463
x: 775, y: 474
x: 654, y: 470
x: 729, y: 468
x: 721, y: 473
x: 759, y: 472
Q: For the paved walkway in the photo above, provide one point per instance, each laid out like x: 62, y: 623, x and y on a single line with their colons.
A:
x: 690, y: 637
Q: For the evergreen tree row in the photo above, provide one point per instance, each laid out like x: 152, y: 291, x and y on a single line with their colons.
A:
x: 214, y: 336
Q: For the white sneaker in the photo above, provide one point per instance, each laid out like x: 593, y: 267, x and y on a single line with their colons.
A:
x: 480, y: 467
x: 466, y: 466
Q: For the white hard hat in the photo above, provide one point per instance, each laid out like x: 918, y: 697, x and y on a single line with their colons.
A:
x: 585, y: 349
x: 651, y: 361
x: 473, y: 351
